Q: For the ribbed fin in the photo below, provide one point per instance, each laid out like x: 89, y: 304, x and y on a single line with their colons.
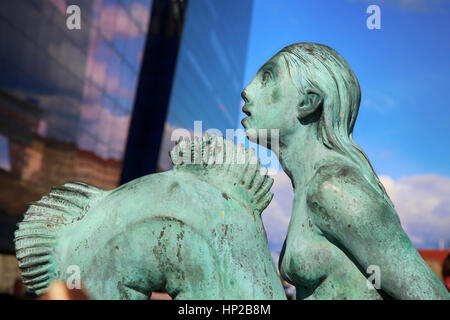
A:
x: 231, y: 168
x: 35, y: 239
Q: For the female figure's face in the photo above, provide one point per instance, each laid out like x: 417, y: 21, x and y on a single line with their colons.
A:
x: 271, y: 100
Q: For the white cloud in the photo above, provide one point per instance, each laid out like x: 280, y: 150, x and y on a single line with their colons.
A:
x: 277, y: 214
x: 423, y: 204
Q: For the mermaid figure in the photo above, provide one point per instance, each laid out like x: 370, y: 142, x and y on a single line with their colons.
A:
x: 194, y: 232
x: 343, y: 222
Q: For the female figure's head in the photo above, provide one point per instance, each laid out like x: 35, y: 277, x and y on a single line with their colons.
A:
x: 308, y: 85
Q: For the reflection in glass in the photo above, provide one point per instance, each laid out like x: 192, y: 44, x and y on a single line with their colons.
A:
x: 65, y: 95
x: 210, y: 69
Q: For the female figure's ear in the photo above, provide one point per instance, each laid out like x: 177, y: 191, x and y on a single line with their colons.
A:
x: 311, y: 104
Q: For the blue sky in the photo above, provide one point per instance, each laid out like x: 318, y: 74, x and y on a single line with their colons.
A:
x: 403, y: 69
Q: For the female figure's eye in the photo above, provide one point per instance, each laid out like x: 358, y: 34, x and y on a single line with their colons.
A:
x: 266, y: 76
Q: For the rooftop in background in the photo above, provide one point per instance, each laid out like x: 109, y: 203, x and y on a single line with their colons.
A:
x: 437, y: 255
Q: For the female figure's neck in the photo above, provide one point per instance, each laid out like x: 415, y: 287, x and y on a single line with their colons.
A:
x: 299, y: 155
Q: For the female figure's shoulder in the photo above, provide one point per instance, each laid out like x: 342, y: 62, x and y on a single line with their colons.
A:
x: 338, y: 190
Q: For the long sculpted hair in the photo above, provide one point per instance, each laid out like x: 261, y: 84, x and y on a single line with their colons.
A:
x: 313, y: 65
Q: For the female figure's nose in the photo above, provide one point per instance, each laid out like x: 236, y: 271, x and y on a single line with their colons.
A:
x: 244, y: 96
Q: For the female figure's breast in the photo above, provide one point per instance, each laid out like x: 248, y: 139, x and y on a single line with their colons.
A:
x: 305, y: 260
x: 306, y: 256
x: 316, y: 266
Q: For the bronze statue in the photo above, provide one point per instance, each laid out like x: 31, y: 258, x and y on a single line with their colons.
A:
x: 194, y: 232
x: 343, y: 222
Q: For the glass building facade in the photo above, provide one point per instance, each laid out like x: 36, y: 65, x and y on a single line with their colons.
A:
x: 210, y: 69
x: 66, y: 96
x: 90, y: 104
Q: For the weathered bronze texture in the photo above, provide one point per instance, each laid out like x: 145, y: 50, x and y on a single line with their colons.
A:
x: 343, y: 223
x: 194, y: 232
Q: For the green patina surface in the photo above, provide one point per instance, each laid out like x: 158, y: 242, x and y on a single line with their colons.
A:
x: 194, y: 232
x: 343, y: 222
